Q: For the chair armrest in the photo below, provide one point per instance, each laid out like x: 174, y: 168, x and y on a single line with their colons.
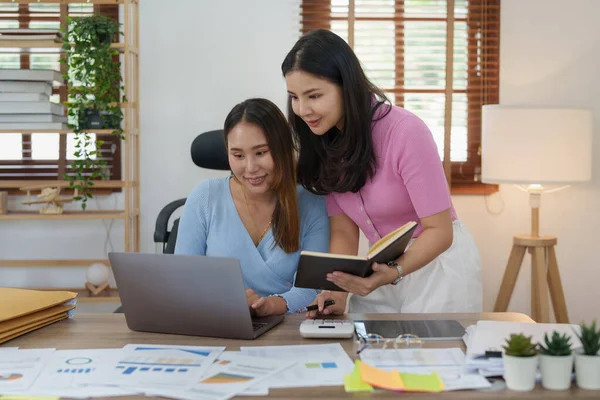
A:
x: 161, y: 235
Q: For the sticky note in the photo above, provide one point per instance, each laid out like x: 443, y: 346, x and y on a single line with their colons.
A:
x: 353, y: 383
x: 422, y: 383
x: 379, y: 378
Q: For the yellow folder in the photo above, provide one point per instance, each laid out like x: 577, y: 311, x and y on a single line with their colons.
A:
x: 33, y: 318
x: 16, y: 303
x: 5, y: 337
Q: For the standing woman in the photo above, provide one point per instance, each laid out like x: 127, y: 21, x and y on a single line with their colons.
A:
x: 379, y: 167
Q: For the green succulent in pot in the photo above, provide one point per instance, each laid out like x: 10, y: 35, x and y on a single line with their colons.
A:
x: 519, y: 345
x: 590, y: 338
x: 556, y: 345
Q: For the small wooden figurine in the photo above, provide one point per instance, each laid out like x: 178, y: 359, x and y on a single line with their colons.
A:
x: 50, y: 196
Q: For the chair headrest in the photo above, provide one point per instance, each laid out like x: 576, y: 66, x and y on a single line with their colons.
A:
x: 208, y: 151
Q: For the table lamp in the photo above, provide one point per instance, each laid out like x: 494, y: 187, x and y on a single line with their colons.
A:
x: 535, y: 147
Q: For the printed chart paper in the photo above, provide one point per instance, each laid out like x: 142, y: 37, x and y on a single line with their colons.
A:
x: 20, y: 368
x: 316, y: 365
x: 232, y: 373
x: 155, y: 367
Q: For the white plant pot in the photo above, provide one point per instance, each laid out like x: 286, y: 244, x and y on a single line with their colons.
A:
x: 556, y: 371
x: 519, y: 372
x: 587, y: 371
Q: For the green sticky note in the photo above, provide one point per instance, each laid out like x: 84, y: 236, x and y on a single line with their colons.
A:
x: 422, y: 383
x: 353, y: 383
x: 312, y: 365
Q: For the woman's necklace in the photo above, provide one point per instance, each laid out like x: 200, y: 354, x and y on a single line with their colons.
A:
x: 252, y: 218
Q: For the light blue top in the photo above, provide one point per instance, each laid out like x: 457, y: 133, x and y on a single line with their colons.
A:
x: 211, y: 226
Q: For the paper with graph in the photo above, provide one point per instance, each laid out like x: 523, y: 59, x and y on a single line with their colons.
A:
x: 316, y: 365
x: 20, y: 368
x: 66, y: 370
x: 147, y: 367
x: 232, y: 373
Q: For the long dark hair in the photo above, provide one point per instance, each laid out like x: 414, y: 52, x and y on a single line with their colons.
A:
x: 268, y: 117
x: 337, y: 161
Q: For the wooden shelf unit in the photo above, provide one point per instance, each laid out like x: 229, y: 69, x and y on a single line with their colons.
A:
x: 112, y: 295
x: 51, y: 263
x: 26, y: 45
x: 88, y: 214
x: 78, y: 1
x: 129, y: 53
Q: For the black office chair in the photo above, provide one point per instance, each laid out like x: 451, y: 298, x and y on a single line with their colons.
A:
x: 208, y: 151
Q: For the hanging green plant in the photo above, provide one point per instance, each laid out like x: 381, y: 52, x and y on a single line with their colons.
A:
x: 96, y: 91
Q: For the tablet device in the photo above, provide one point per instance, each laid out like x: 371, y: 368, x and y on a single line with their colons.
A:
x: 425, y: 330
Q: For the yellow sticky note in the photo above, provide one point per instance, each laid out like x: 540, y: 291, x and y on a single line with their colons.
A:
x: 379, y: 378
x: 353, y: 383
x: 25, y: 397
x: 422, y: 383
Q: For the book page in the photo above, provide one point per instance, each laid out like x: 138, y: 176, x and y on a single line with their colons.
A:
x: 390, y: 237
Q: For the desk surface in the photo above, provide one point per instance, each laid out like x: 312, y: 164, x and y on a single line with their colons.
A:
x: 87, y: 331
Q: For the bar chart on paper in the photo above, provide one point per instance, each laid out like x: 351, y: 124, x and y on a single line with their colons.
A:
x: 130, y: 370
x: 67, y: 368
x: 156, y: 366
x: 74, y: 370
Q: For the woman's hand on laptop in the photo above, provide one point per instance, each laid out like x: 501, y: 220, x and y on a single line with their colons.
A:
x: 265, y: 306
x: 338, y: 308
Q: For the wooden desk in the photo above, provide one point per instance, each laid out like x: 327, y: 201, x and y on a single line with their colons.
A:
x: 87, y: 331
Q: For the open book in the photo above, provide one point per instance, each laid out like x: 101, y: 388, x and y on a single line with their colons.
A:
x: 313, y: 266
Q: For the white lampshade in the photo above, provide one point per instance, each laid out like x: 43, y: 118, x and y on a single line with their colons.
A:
x: 535, y: 145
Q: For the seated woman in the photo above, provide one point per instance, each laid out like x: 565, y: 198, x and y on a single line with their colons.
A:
x: 258, y: 214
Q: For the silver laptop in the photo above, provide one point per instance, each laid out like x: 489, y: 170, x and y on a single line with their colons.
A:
x: 187, y: 295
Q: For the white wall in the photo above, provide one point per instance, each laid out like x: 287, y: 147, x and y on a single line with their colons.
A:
x: 549, y: 56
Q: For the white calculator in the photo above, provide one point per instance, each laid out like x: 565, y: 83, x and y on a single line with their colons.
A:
x: 327, y: 328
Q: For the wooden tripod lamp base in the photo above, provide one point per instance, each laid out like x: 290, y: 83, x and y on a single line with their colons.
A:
x: 97, y: 290
x: 544, y: 273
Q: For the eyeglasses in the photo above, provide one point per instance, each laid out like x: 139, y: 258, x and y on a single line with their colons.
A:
x: 375, y: 341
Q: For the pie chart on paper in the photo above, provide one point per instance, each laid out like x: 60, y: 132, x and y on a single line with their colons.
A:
x: 10, y: 377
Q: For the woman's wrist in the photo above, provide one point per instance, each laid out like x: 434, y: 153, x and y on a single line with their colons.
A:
x: 278, y: 305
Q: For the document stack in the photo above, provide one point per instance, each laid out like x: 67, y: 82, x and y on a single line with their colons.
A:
x: 22, y: 311
x: 485, y: 342
x: 25, y: 100
x: 35, y: 36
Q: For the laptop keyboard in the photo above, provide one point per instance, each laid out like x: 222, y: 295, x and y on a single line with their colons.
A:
x: 257, y: 325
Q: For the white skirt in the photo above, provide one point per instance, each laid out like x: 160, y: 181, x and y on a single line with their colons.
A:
x: 450, y: 283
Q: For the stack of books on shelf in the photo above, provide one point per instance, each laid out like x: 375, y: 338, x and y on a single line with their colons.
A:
x: 7, y: 35
x: 25, y: 100
x: 22, y: 310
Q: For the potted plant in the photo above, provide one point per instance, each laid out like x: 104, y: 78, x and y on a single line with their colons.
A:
x: 587, y: 361
x: 520, y: 362
x: 95, y: 87
x: 556, y: 361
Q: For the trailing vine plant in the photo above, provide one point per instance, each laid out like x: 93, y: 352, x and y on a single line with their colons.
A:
x: 95, y: 85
